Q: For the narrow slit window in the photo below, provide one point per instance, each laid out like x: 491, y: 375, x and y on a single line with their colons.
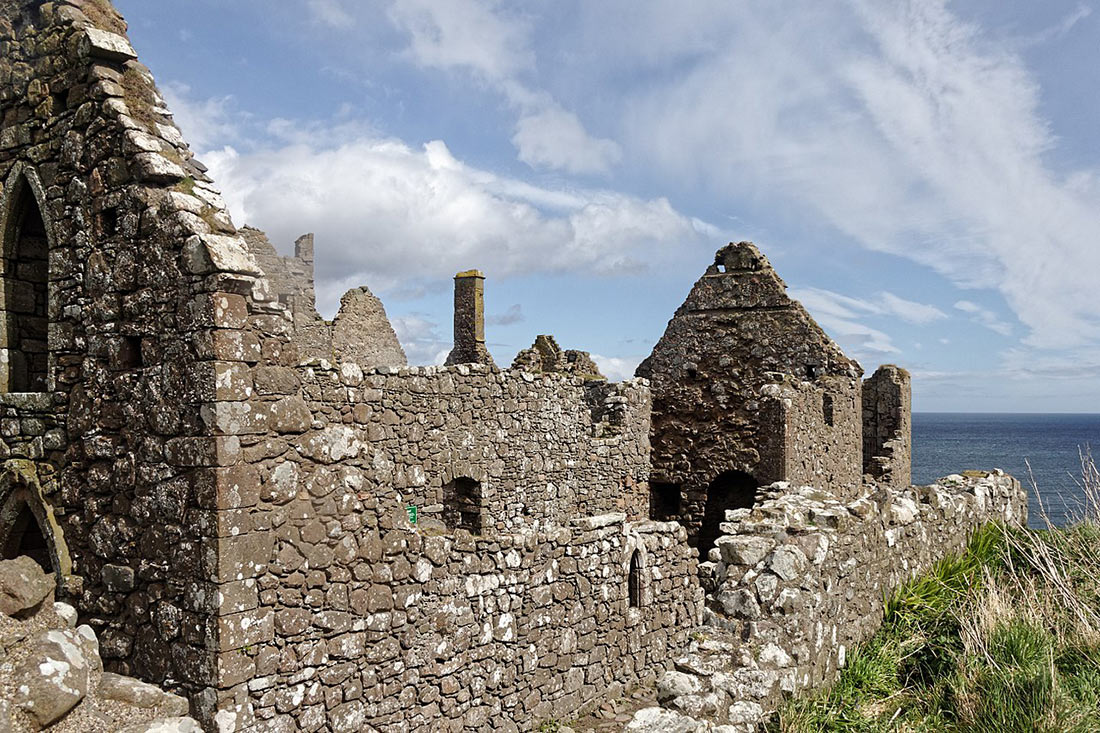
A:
x: 634, y: 581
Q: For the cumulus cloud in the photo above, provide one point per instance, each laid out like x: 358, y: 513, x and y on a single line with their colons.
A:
x: 555, y: 138
x: 897, y: 123
x: 420, y: 338
x: 386, y: 214
x: 473, y: 34
x: 616, y: 368
x: 204, y: 122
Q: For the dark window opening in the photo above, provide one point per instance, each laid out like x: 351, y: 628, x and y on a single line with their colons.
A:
x: 462, y: 505
x: 827, y: 409
x: 107, y: 222
x: 25, y: 275
x: 24, y: 536
x: 634, y: 581
x: 129, y: 353
x: 730, y: 490
x: 811, y: 372
x: 664, y: 501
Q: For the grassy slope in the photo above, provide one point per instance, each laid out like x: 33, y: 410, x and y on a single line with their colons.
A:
x: 1004, y: 638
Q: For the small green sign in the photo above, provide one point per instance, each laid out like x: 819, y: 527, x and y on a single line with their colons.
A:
x: 411, y: 511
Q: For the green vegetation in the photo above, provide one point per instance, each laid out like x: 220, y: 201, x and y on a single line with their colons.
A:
x: 1003, y: 638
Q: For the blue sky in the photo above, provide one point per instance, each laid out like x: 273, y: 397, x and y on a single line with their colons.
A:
x: 923, y: 174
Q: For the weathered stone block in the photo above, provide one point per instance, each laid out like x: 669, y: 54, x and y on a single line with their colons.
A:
x: 246, y: 629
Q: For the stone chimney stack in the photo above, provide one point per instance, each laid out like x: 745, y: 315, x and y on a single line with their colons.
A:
x: 470, y: 320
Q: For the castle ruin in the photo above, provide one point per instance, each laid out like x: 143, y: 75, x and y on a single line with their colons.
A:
x: 278, y: 518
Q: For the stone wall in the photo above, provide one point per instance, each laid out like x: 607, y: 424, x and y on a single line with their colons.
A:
x: 314, y: 568
x: 800, y: 579
x: 816, y: 427
x: 888, y: 426
x: 544, y: 448
x: 402, y: 630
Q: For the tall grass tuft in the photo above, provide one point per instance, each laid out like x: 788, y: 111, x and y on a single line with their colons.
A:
x: 1002, y: 638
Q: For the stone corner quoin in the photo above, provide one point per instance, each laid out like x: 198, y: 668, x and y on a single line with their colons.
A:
x: 275, y: 517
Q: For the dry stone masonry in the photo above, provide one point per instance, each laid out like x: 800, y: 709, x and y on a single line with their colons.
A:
x: 277, y: 520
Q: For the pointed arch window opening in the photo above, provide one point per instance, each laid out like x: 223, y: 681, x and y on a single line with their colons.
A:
x: 24, y: 275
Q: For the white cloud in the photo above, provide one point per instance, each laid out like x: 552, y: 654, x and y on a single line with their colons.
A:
x: 421, y: 340
x: 468, y: 34
x: 909, y: 310
x: 479, y: 36
x: 554, y: 138
x: 203, y: 122
x: 386, y: 214
x: 1061, y: 28
x: 900, y: 125
x: 615, y: 368
x: 984, y: 317
x: 838, y: 315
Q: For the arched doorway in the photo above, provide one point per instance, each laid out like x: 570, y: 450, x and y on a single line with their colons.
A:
x: 21, y: 534
x: 729, y: 490
x: 27, y: 526
x: 24, y: 269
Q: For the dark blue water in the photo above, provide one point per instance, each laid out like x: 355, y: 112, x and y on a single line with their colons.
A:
x: 945, y: 443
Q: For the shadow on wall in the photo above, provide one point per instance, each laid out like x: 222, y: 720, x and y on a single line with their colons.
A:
x: 729, y: 490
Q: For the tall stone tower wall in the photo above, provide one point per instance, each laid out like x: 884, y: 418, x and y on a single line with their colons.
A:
x: 888, y: 426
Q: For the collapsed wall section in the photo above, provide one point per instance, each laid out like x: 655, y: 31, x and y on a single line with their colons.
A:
x: 888, y: 426
x: 360, y: 331
x: 800, y: 579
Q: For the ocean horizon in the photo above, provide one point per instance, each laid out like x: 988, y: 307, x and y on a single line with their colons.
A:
x: 1042, y: 450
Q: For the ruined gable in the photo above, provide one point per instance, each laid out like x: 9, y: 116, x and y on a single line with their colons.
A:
x: 362, y: 333
x: 747, y: 390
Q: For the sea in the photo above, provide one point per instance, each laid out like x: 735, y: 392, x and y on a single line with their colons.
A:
x: 1042, y: 450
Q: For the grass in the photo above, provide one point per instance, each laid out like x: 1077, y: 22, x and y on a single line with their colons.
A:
x: 1003, y: 638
